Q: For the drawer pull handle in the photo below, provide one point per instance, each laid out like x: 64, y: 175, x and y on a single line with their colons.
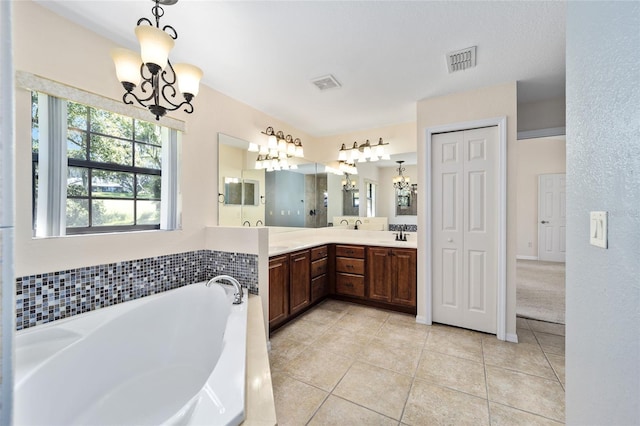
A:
x: 349, y: 266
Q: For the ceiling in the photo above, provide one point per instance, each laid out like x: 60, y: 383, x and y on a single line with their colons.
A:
x: 386, y: 54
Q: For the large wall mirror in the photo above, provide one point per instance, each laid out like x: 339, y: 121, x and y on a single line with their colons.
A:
x: 297, y: 197
x: 310, y: 195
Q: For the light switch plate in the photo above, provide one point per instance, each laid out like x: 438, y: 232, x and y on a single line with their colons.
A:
x: 598, y: 229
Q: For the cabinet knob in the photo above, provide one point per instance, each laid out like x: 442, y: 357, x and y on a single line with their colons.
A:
x: 450, y: 240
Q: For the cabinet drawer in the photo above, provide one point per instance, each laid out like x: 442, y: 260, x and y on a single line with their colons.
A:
x: 318, y: 252
x: 349, y: 284
x: 319, y: 288
x: 350, y: 251
x: 351, y: 266
x: 318, y: 267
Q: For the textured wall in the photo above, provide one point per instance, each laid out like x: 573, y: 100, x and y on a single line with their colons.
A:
x: 603, y: 173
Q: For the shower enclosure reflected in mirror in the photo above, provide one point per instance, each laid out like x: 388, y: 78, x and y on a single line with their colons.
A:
x: 251, y: 197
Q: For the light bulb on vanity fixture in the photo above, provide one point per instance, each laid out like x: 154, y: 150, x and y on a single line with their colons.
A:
x: 153, y: 67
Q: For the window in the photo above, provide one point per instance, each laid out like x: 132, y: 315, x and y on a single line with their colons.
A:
x: 98, y: 171
x: 371, y: 198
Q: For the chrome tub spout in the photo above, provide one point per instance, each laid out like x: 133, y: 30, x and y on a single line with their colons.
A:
x: 237, y: 297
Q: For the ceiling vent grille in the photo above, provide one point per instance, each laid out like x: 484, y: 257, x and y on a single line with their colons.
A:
x: 326, y: 82
x: 461, y: 59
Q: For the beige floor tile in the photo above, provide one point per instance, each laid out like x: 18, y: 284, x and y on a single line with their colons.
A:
x: 522, y: 323
x: 322, y: 316
x: 336, y: 412
x: 375, y: 388
x: 282, y: 346
x: 525, y: 392
x: 501, y: 415
x: 547, y: 327
x: 302, y: 331
x: 456, y: 343
x: 318, y: 368
x: 295, y: 401
x: 334, y: 305
x: 368, y: 311
x: 524, y: 357
x: 402, y: 333
x: 551, y: 343
x: 360, y: 323
x: 429, y: 404
x: 343, y: 342
x: 401, y: 357
x: 453, y: 372
x: 557, y: 362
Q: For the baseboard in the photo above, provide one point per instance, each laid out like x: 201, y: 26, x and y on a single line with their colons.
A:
x: 513, y: 338
x: 520, y: 257
x: 422, y: 320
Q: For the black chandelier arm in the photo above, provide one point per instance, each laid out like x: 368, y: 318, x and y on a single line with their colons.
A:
x: 172, y: 31
x: 145, y: 20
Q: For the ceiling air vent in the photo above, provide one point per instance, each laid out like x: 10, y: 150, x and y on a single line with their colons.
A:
x: 461, y: 59
x: 326, y: 82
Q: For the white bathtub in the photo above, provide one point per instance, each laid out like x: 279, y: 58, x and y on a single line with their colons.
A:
x: 176, y: 358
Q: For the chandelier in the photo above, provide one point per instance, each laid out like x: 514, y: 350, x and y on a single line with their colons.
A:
x: 153, y: 68
x: 401, y: 182
x: 348, y: 184
x: 278, y: 145
x: 363, y: 152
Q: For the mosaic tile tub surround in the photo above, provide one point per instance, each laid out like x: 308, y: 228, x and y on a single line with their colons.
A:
x: 43, y: 298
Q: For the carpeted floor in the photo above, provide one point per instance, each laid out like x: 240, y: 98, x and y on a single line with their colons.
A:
x: 540, y: 291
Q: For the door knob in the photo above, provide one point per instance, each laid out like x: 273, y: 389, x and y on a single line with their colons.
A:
x: 450, y: 240
x: 544, y: 221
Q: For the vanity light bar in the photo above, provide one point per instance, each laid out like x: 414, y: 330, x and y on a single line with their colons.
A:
x: 277, y: 143
x: 363, y: 152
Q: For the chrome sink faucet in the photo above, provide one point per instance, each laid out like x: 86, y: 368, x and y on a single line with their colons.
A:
x: 237, y: 297
x: 246, y: 222
x: 345, y: 221
x: 356, y: 226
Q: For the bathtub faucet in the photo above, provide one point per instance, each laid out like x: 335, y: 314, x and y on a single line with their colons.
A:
x: 237, y: 297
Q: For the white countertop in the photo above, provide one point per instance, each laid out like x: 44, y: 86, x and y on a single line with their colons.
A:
x: 285, y: 242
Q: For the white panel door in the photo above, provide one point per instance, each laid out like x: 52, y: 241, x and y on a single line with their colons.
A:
x: 552, y: 217
x: 465, y: 228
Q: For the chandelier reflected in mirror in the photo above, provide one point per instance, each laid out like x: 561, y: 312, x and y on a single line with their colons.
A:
x: 348, y: 184
x: 401, y: 182
x: 153, y: 68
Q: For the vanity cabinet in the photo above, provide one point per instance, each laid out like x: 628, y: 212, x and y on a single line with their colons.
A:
x: 299, y: 281
x: 392, y: 275
x: 319, y: 271
x: 350, y: 269
x: 278, y: 290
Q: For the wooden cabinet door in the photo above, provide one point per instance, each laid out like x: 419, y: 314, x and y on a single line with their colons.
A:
x: 278, y: 289
x: 403, y: 276
x: 299, y: 280
x: 379, y: 277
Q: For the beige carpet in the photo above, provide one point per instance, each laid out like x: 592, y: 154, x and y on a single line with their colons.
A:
x: 540, y: 291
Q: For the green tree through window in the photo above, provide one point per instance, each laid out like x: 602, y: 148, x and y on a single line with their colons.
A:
x: 114, y: 170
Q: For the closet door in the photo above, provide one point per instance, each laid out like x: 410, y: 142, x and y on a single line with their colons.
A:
x: 465, y: 228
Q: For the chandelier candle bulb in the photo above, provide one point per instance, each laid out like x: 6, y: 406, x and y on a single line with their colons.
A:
x: 155, y: 46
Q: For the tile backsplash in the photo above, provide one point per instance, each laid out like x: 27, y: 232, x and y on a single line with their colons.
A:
x: 43, y: 298
x: 409, y: 228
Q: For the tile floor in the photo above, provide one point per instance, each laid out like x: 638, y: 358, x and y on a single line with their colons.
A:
x: 345, y: 364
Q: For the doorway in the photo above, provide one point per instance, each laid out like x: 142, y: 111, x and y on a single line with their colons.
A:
x: 540, y: 268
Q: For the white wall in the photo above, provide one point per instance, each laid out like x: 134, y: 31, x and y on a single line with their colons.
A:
x: 603, y: 173
x: 488, y: 102
x: 535, y: 157
x: 545, y: 114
